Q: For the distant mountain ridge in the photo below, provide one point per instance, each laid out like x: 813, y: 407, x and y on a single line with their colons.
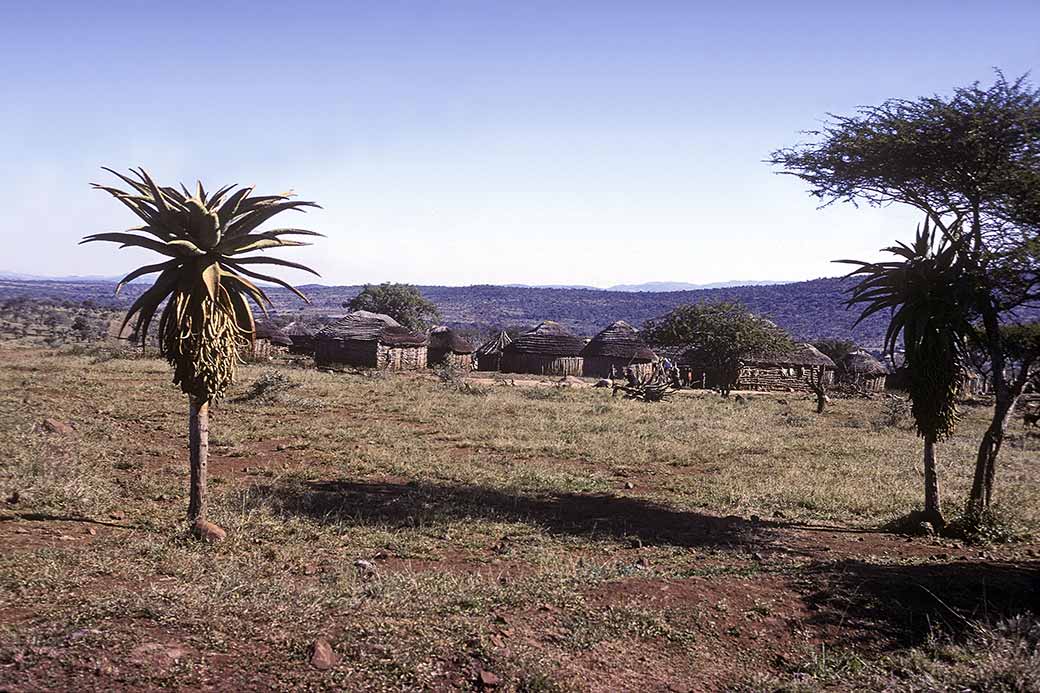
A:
x: 807, y: 310
x: 685, y: 286
x: 647, y: 286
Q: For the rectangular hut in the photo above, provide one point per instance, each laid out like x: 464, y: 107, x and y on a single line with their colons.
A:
x: 778, y: 372
x: 369, y: 340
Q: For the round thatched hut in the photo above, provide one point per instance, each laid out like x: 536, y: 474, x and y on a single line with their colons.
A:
x: 268, y: 340
x: 861, y: 370
x: 448, y: 348
x: 614, y: 349
x: 302, y: 337
x: 369, y: 340
x: 489, y: 354
x: 548, y: 349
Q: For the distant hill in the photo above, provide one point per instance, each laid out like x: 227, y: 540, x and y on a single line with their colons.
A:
x: 685, y: 286
x: 808, y: 310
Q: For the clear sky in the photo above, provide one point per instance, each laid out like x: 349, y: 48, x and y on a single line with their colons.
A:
x: 459, y: 142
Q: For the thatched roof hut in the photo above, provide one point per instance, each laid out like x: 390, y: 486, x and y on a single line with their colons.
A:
x: 862, y: 370
x: 267, y: 341
x: 369, y: 340
x: 617, y: 347
x: 302, y: 337
x: 783, y: 371
x: 448, y: 348
x: 548, y: 349
x: 489, y: 354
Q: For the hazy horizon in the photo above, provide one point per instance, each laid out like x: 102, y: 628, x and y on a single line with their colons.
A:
x: 592, y: 143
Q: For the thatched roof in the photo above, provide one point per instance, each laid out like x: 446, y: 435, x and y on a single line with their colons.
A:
x: 548, y: 338
x: 494, y: 346
x: 860, y: 362
x: 266, y: 330
x: 619, y: 340
x: 298, y: 329
x: 363, y: 326
x: 447, y: 339
x: 801, y: 355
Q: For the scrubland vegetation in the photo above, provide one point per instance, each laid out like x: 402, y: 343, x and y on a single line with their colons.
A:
x: 492, y: 536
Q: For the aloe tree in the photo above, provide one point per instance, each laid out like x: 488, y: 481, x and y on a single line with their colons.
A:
x: 205, y: 284
x: 929, y: 295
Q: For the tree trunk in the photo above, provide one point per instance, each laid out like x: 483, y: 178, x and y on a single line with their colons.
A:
x: 819, y: 389
x: 989, y: 448
x: 198, y: 440
x: 932, y: 501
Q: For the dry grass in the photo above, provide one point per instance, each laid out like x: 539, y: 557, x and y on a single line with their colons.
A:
x: 491, y: 522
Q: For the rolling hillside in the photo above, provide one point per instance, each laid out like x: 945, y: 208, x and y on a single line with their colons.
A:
x: 808, y: 310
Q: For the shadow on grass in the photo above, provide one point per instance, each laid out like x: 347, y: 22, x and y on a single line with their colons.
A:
x: 866, y: 604
x: 414, y: 504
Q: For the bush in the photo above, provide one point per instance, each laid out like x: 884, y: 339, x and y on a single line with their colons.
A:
x: 271, y: 386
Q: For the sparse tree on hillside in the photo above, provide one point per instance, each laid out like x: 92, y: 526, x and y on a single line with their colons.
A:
x: 402, y: 302
x: 207, y: 319
x: 971, y: 163
x: 927, y: 291
x: 718, y: 335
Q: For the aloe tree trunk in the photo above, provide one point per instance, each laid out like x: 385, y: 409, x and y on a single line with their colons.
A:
x: 932, y: 501
x: 198, y: 441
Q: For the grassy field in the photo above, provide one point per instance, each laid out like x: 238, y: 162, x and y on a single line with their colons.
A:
x: 491, y: 536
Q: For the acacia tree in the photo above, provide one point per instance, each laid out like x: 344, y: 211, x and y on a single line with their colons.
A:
x: 207, y: 318
x: 718, y: 335
x: 926, y: 291
x: 971, y: 163
x: 402, y: 302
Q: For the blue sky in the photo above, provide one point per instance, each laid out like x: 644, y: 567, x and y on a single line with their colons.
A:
x: 477, y: 142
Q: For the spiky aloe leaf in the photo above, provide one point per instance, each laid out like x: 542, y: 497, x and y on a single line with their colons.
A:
x: 207, y: 295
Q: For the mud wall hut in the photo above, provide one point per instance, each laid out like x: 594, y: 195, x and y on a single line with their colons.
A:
x: 489, y: 354
x: 616, y: 348
x: 781, y: 372
x: 864, y: 372
x: 369, y: 340
x: 548, y: 349
x: 448, y: 348
x: 776, y: 372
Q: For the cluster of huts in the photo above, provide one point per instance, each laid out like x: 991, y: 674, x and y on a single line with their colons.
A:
x: 372, y: 340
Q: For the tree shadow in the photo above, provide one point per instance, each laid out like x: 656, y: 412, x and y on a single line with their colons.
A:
x: 864, y: 603
x: 413, y: 504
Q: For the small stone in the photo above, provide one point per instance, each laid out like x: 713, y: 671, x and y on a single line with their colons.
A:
x: 56, y: 426
x: 488, y: 679
x: 91, y: 531
x: 322, y: 655
x: 926, y: 529
x: 117, y: 515
x: 365, y: 567
x: 629, y: 485
x: 208, y: 532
